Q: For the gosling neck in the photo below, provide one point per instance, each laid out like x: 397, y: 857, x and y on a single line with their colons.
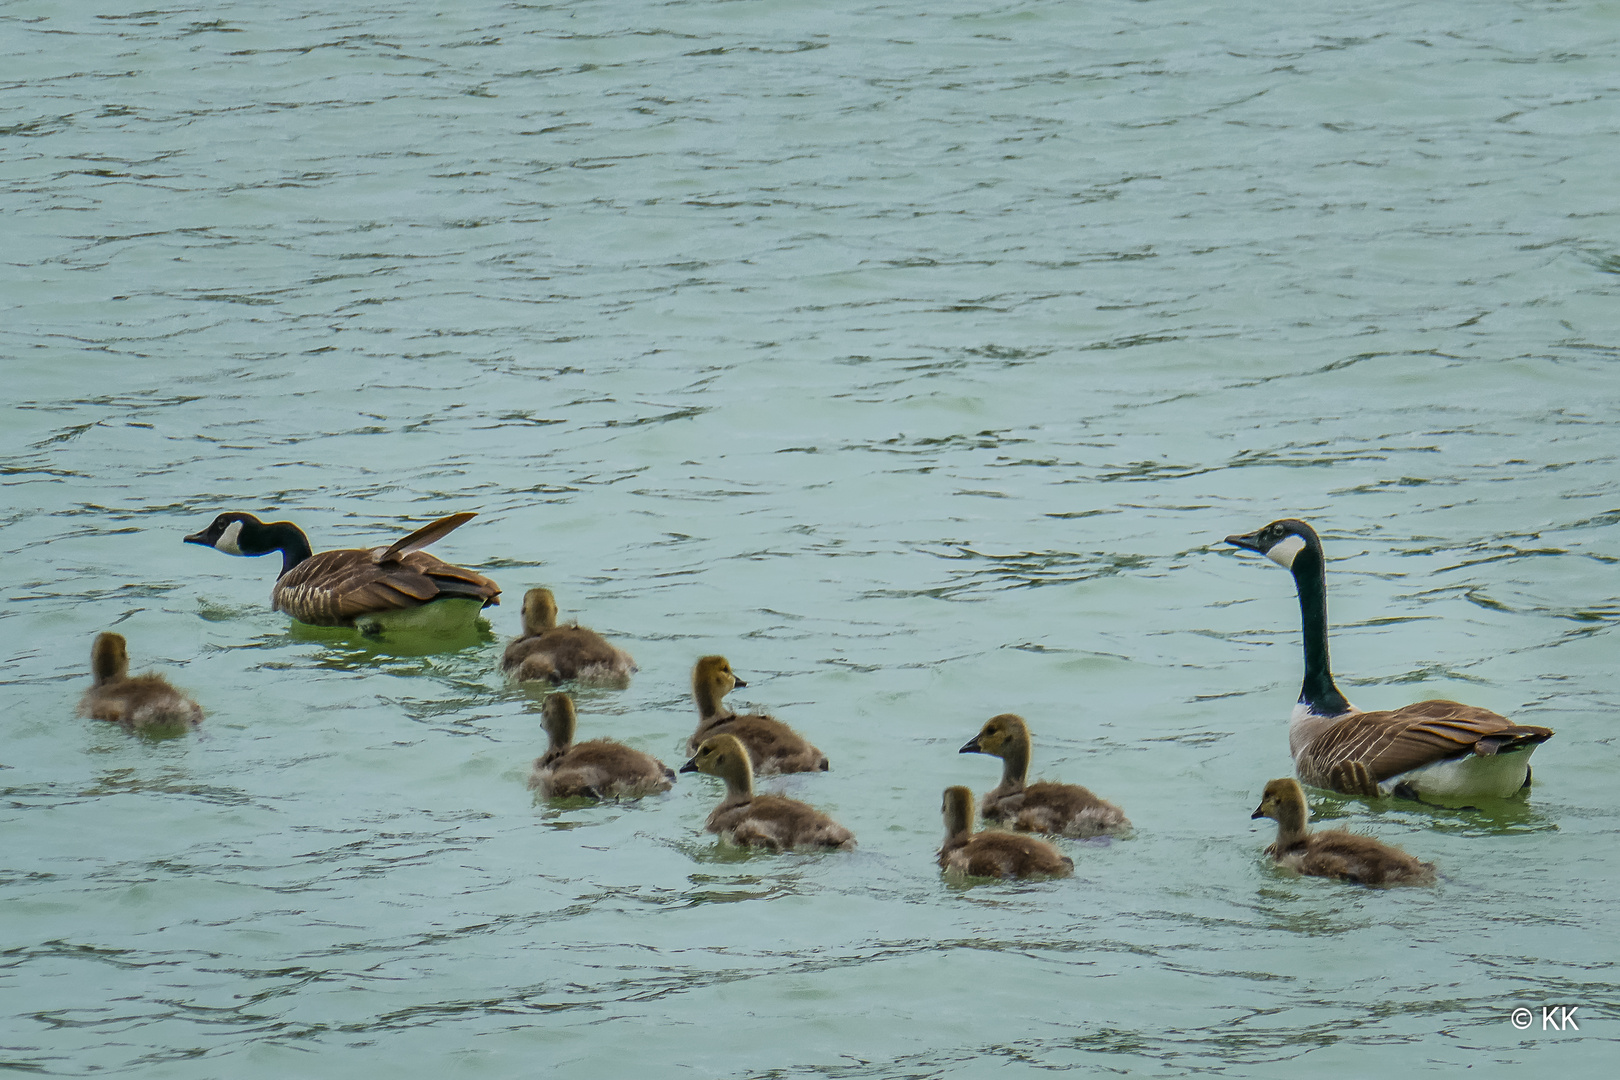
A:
x: 739, y: 777
x: 559, y: 720
x: 108, y: 661
x: 708, y: 694
x: 1291, y: 828
x: 1015, y: 764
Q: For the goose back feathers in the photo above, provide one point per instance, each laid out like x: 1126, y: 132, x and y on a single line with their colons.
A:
x: 773, y: 822
x: 372, y: 588
x: 1433, y: 749
x: 1332, y: 853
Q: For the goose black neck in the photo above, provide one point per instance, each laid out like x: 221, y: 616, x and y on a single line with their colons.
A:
x: 285, y: 537
x: 1318, y: 691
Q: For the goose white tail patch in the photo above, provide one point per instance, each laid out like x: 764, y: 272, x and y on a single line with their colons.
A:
x: 1283, y: 551
x: 228, y: 540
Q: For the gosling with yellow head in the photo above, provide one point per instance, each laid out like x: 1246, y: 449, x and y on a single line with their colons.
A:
x: 772, y: 746
x: 1332, y: 853
x: 772, y: 822
x: 1045, y: 807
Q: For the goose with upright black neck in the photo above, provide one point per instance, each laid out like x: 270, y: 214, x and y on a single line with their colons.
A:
x: 1440, y: 750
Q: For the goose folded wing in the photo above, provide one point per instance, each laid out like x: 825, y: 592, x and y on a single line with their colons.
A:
x: 335, y: 587
x: 1391, y: 743
x: 448, y: 580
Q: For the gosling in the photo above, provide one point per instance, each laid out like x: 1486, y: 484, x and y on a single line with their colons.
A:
x: 599, y: 769
x: 993, y: 854
x: 546, y: 651
x: 146, y: 703
x: 772, y: 822
x: 773, y: 746
x: 1333, y: 853
x: 1063, y: 809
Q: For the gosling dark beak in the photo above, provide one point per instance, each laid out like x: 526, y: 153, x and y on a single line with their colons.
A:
x: 198, y: 538
x: 1260, y: 813
x: 737, y: 682
x: 690, y: 766
x: 1247, y: 541
x: 972, y: 747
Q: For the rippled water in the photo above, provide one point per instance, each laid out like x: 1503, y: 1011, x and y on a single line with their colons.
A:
x: 916, y: 359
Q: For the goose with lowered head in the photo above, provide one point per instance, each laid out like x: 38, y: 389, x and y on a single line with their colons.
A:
x: 1433, y: 750
x: 397, y: 587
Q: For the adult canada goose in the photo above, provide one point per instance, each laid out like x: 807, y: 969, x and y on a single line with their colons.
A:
x: 1433, y: 749
x: 1066, y: 809
x: 599, y: 769
x: 146, y: 703
x: 774, y: 822
x: 398, y: 587
x: 774, y: 747
x: 558, y: 653
x: 1333, y: 853
x: 992, y: 854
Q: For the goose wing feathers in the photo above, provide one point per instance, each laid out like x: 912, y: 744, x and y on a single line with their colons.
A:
x: 335, y: 587
x: 1365, y: 748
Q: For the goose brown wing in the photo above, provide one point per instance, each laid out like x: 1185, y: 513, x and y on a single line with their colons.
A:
x: 431, y: 533
x: 1390, y: 743
x: 336, y: 587
x: 452, y: 580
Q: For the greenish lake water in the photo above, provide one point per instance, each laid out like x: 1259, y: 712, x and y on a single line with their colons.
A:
x: 916, y: 358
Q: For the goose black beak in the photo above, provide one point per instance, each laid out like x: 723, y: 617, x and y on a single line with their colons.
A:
x: 1260, y: 813
x: 738, y: 682
x: 1247, y: 541
x: 199, y: 538
x: 972, y: 747
x: 690, y: 766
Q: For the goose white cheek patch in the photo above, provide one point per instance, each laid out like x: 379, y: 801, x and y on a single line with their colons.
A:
x: 1283, y: 551
x: 227, y: 541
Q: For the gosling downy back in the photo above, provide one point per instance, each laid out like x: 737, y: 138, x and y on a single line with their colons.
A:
x: 598, y: 769
x: 551, y: 653
x: 146, y: 703
x: 992, y: 854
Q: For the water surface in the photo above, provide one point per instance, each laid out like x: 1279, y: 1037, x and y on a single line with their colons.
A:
x: 915, y: 359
